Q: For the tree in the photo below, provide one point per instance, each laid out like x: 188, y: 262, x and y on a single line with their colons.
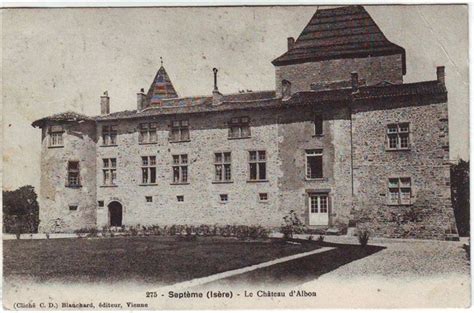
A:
x: 20, y: 210
x: 460, y: 196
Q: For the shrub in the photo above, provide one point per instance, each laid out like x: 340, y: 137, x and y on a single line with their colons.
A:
x: 292, y: 224
x: 320, y: 239
x: 363, y: 235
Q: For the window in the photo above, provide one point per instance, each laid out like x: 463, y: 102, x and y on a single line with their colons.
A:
x: 148, y: 170
x: 100, y: 204
x: 222, y: 164
x: 398, y: 136
x: 149, y: 199
x: 180, y: 168
x: 109, y: 135
x: 285, y: 88
x: 73, y: 178
x: 318, y: 125
x: 180, y: 198
x: 314, y: 164
x: 56, y: 136
x: 179, y: 131
x: 257, y: 165
x: 147, y: 133
x: 224, y: 197
x: 319, y: 203
x: 109, y: 170
x: 399, y: 191
x: 239, y: 127
x: 73, y: 207
x: 263, y: 197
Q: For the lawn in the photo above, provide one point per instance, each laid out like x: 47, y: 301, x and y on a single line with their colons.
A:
x: 160, y: 260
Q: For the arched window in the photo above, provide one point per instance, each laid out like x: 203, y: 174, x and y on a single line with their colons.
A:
x: 286, y: 88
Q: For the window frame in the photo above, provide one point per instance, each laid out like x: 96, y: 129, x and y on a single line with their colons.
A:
x: 53, y: 131
x: 182, y: 127
x: 109, y: 172
x: 148, y: 199
x: 258, y: 163
x: 109, y: 135
x: 314, y: 153
x: 260, y: 198
x: 76, y: 172
x: 241, y: 123
x: 182, y: 167
x: 224, y: 195
x: 319, y: 209
x: 224, y: 164
x: 398, y: 131
x: 147, y: 133
x: 399, y: 189
x: 178, y: 197
x: 148, y: 168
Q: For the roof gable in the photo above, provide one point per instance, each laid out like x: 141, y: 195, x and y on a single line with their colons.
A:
x: 345, y: 32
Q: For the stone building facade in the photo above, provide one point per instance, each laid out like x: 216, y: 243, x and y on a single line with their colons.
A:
x: 341, y: 140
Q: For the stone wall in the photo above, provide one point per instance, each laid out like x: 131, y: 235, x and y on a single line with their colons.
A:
x: 54, y: 197
x: 209, y: 134
x: 430, y: 214
x: 373, y: 70
x: 296, y: 135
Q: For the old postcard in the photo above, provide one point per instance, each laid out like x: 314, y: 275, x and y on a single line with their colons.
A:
x: 235, y: 157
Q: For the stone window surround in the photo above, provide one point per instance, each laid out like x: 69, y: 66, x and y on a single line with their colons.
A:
x: 148, y: 163
x: 70, y: 170
x: 56, y: 131
x: 182, y: 129
x: 398, y: 136
x: 110, y: 169
x: 223, y: 198
x: 314, y: 152
x: 257, y: 161
x: 147, y: 133
x: 182, y: 167
x: 110, y: 130
x: 223, y: 163
x: 263, y: 197
x: 241, y: 123
x: 399, y: 177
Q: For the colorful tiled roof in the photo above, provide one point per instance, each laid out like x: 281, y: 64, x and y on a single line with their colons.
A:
x: 161, y: 88
x: 264, y: 100
x: 344, y: 32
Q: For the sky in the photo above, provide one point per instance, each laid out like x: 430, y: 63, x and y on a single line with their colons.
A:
x: 56, y: 60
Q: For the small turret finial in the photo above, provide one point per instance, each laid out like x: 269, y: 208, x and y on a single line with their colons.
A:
x: 161, y: 60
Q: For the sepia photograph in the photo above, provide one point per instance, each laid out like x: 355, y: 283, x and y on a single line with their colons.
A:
x: 235, y: 157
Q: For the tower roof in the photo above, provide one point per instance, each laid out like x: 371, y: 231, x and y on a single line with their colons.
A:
x: 344, y: 32
x: 161, y: 88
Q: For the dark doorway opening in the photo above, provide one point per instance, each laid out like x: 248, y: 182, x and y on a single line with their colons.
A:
x: 115, y: 213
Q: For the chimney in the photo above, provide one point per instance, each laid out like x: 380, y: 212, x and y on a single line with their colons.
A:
x: 216, y: 95
x: 355, y: 81
x: 105, y: 103
x: 291, y: 43
x: 141, y: 100
x: 440, y: 74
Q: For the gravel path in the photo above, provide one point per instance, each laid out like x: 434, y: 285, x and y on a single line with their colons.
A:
x: 407, y: 258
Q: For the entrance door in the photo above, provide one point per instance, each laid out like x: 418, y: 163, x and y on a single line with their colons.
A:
x: 115, y: 214
x: 318, y: 209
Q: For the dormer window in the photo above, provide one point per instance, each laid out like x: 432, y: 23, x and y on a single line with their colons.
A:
x: 285, y: 88
x: 56, y: 136
x: 239, y: 127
